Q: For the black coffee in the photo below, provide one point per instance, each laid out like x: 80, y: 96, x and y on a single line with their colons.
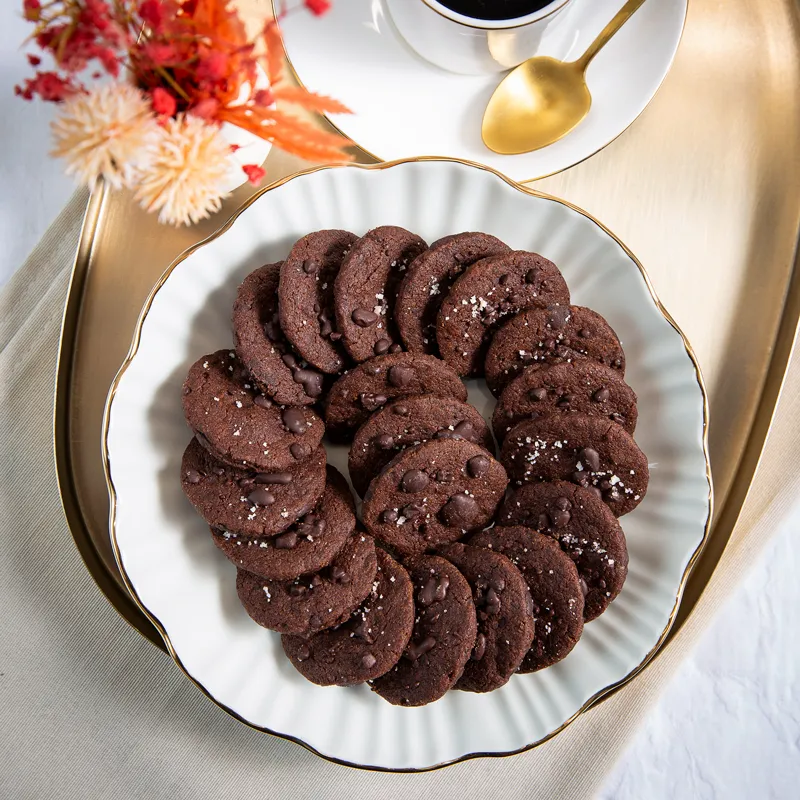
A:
x: 495, y: 9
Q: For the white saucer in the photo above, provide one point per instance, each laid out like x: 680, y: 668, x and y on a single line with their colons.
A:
x: 404, y: 106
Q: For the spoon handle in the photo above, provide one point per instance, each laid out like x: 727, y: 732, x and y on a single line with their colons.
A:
x: 621, y: 17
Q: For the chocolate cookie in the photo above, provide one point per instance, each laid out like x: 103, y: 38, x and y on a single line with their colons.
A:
x: 505, y: 616
x: 443, y: 638
x: 428, y: 281
x: 262, y: 347
x: 432, y: 494
x: 542, y: 337
x: 372, y: 640
x: 576, y: 387
x: 371, y: 385
x: 307, y: 546
x: 366, y: 287
x: 555, y: 590
x: 312, y: 602
x: 586, y: 530
x: 305, y: 295
x: 247, y: 502
x: 589, y: 451
x: 407, y: 422
x: 240, y: 426
x: 490, y: 290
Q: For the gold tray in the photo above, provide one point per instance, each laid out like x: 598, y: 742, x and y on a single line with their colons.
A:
x: 704, y: 188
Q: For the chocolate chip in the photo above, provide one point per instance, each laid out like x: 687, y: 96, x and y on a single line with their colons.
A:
x: 543, y: 522
x: 565, y: 401
x: 561, y: 519
x: 427, y: 594
x: 537, y: 395
x: 325, y: 326
x: 310, y: 267
x: 261, y: 497
x: 339, y: 575
x: 595, y: 491
x: 316, y: 581
x: 281, y: 478
x: 617, y: 362
x: 584, y: 587
x: 389, y: 516
x: 498, y: 584
x: 584, y: 333
x: 335, y: 336
x: 219, y: 471
x: 371, y: 369
x: 362, y: 631
x: 303, y: 653
x: 311, y: 381
x: 400, y: 376
x: 562, y: 503
x: 396, y: 348
x: 590, y: 457
x: 300, y: 451
x: 262, y: 402
x: 415, y: 480
x: 601, y: 395
x: 581, y: 478
x: 558, y: 317
x: 363, y: 317
x: 618, y: 418
x: 286, y: 541
x: 193, y: 476
x: 442, y: 586
x: 400, y: 410
x: 368, y: 660
x: 297, y: 590
x: 478, y: 466
x: 412, y: 511
x: 295, y: 420
x: 460, y: 511
x: 503, y: 280
x: 381, y: 346
x: 315, y: 621
x: 443, y: 476
x: 479, y: 650
x: 372, y: 402
x: 416, y: 650
x: 611, y: 495
x: 290, y: 361
x: 492, y: 602
x: 384, y: 441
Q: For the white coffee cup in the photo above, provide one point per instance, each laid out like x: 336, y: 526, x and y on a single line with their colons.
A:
x: 467, y: 45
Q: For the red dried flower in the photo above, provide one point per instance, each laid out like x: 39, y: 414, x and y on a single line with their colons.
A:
x: 152, y: 14
x: 48, y: 85
x: 34, y: 61
x: 317, y: 7
x: 255, y: 174
x: 164, y: 104
x: 264, y: 97
x: 32, y: 10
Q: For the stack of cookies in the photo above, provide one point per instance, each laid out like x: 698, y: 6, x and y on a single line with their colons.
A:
x: 464, y: 568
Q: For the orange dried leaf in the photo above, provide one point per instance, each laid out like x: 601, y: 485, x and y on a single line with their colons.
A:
x: 274, y: 43
x: 310, y: 100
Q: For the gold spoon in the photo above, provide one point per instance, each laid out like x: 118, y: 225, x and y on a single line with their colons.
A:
x: 543, y: 99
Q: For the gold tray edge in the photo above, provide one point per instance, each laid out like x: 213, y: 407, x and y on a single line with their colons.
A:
x: 598, y: 696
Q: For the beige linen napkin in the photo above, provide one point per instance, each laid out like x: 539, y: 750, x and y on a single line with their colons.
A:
x: 90, y: 709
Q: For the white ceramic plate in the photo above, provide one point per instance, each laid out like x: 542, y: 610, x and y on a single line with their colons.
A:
x: 404, y: 106
x: 187, y: 586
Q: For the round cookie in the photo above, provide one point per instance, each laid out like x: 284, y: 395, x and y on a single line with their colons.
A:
x: 575, y: 387
x: 262, y: 347
x: 490, y: 290
x: 540, y: 337
x: 505, y: 616
x: 371, y: 385
x: 410, y: 421
x: 432, y: 494
x: 305, y: 298
x: 240, y: 426
x: 428, y: 281
x: 586, y: 530
x: 251, y: 503
x: 307, y: 546
x: 442, y: 640
x: 588, y: 451
x: 313, y: 602
x: 372, y: 640
x: 554, y: 586
x: 366, y: 286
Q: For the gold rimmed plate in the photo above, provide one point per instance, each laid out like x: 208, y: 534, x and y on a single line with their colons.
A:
x: 187, y: 589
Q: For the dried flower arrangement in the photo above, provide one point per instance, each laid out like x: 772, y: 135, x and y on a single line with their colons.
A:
x: 179, y: 70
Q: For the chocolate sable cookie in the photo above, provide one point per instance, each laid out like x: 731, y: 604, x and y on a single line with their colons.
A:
x: 490, y: 290
x: 371, y: 385
x: 262, y: 347
x: 247, y: 502
x: 370, y: 643
x: 240, y: 426
x: 312, y: 603
x: 554, y: 335
x: 588, y: 451
x: 305, y: 295
x: 581, y: 386
x: 366, y: 287
x: 432, y: 494
x: 408, y: 422
x: 428, y: 281
x: 586, y: 530
x: 307, y: 546
x: 555, y: 590
x: 505, y: 616
x: 443, y: 638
